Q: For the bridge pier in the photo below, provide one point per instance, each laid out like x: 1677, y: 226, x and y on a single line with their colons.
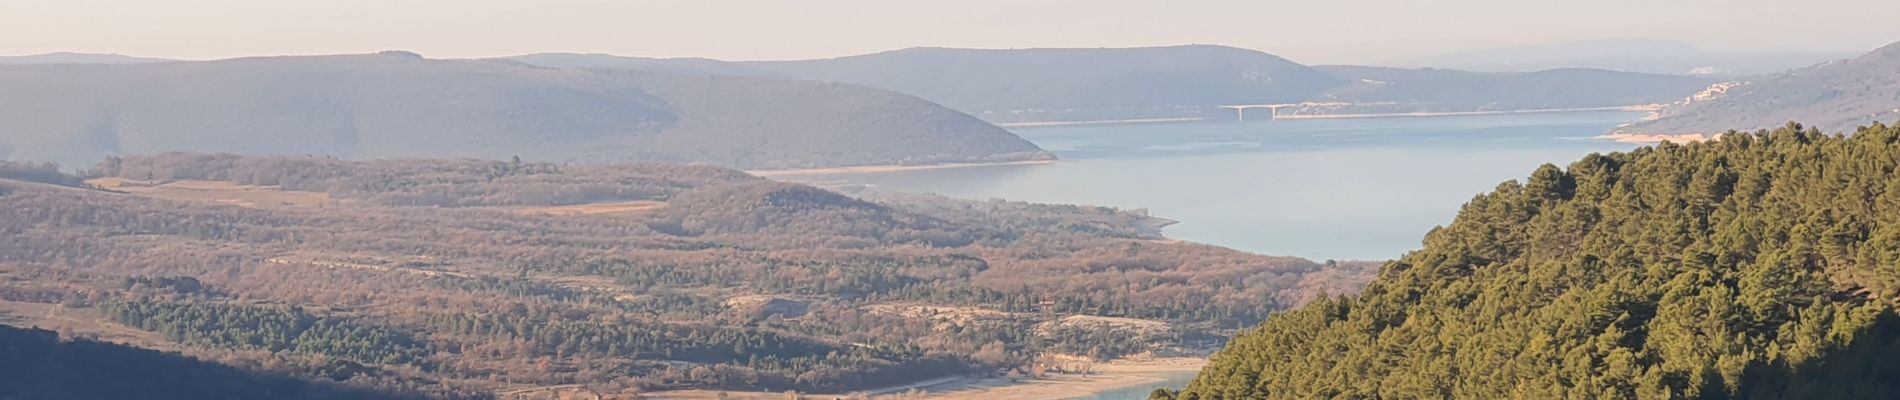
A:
x: 1240, y: 111
x: 1273, y: 110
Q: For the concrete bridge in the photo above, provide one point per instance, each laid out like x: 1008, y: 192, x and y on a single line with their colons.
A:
x: 1240, y: 110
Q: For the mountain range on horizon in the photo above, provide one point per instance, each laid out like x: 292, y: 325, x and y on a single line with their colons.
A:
x: 1041, y: 85
x: 1173, y: 82
x: 78, y: 58
x: 400, y: 105
x: 911, y: 106
x: 1646, y: 55
x: 852, y: 111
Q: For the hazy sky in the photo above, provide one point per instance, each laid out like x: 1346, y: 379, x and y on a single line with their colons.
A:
x: 1311, y: 31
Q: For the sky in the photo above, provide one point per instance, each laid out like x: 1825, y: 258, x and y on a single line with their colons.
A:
x: 1309, y: 31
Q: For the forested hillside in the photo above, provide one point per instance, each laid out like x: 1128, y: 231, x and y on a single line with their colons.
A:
x: 469, y: 276
x: 400, y: 105
x: 1757, y: 266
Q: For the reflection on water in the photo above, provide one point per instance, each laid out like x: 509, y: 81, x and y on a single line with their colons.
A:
x: 1322, y: 189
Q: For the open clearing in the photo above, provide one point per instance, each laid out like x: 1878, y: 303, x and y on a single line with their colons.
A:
x: 1109, y: 376
x: 218, y: 191
x: 637, y: 207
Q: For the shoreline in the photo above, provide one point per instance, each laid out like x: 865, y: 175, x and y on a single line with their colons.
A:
x: 1045, y: 124
x: 1655, y: 138
x: 1108, y: 377
x: 874, y: 169
x: 1462, y: 113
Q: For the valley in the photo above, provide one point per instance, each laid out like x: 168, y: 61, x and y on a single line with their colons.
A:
x: 470, y: 278
x: 971, y: 200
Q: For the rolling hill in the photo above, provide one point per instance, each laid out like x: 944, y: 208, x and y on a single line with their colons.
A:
x: 1656, y: 56
x: 77, y: 58
x: 1378, y: 89
x: 1020, y: 85
x: 669, y: 65
x: 1055, y: 85
x: 1003, y: 85
x: 400, y: 105
x: 509, y: 277
x: 1835, y: 97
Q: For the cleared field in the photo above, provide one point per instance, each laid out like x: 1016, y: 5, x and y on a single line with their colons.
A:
x: 1104, y: 377
x: 218, y: 191
x: 954, y: 315
x: 1130, y: 326
x: 637, y: 207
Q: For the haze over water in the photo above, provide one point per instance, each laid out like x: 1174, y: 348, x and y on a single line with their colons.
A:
x: 1321, y: 189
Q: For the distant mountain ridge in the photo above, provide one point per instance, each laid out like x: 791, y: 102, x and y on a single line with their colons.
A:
x: 1042, y: 85
x: 77, y: 58
x: 670, y: 65
x: 1020, y: 85
x: 1656, y: 56
x: 1380, y: 89
x: 1005, y: 86
x: 1081, y: 84
x: 1835, y: 97
x: 400, y: 105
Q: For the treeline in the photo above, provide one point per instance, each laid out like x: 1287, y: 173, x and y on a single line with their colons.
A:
x: 1017, y: 220
x: 1756, y: 266
x: 48, y: 173
x: 446, y: 183
x: 760, y: 359
x: 633, y: 339
x: 41, y: 365
x: 272, y: 329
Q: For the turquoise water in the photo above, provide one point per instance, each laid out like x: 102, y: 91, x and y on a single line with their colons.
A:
x: 1321, y: 189
x: 1176, y: 381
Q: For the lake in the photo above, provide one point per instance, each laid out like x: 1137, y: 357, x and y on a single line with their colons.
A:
x: 1175, y: 381
x: 1364, y: 188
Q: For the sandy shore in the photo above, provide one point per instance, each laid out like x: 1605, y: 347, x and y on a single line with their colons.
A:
x: 1110, y: 376
x: 872, y: 169
x: 1640, y: 138
x: 1097, y: 122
